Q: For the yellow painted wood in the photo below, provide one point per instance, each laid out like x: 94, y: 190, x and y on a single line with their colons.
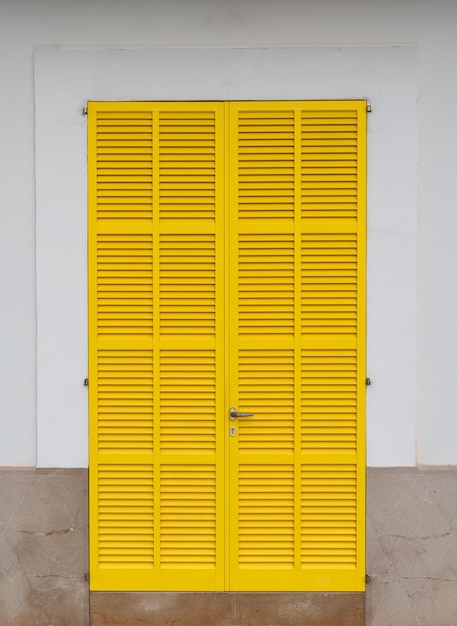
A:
x: 227, y: 268
x: 156, y: 309
x: 297, y: 337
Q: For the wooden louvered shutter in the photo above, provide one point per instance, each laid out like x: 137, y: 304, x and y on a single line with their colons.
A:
x: 297, y: 295
x: 156, y: 345
x: 227, y: 268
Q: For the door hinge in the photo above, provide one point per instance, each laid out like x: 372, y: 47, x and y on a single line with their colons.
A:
x: 367, y: 381
x: 84, y: 111
x: 86, y: 382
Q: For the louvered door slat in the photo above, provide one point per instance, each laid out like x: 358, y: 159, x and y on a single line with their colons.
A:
x: 262, y: 334
x: 190, y: 383
x: 121, y: 296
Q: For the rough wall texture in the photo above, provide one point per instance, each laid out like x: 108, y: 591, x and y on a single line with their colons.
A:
x: 411, y: 548
x: 43, y: 547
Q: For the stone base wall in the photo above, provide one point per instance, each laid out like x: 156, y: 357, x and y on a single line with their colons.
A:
x: 411, y: 561
x: 412, y: 547
x: 43, y: 547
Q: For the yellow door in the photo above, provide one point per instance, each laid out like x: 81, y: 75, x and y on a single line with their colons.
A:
x: 226, y: 270
x: 297, y: 344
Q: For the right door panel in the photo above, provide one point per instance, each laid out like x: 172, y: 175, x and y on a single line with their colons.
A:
x: 297, y: 236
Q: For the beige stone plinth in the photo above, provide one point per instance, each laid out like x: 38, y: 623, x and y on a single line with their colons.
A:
x: 227, y: 609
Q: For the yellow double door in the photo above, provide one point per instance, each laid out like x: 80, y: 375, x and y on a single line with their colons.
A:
x: 227, y: 271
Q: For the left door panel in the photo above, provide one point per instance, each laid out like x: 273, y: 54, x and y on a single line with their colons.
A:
x: 156, y: 335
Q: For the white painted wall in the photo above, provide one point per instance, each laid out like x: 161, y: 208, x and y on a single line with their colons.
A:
x: 65, y: 79
x: 400, y: 54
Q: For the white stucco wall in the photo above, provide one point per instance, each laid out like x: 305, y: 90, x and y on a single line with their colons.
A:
x: 65, y: 79
x: 57, y: 55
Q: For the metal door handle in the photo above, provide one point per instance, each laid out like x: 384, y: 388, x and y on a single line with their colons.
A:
x: 234, y: 414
